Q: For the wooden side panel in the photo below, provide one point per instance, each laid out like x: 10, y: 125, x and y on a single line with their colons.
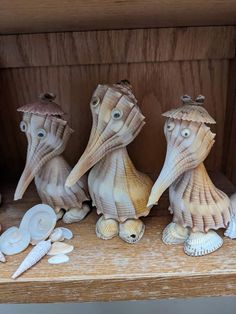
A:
x: 116, y: 46
x: 157, y: 86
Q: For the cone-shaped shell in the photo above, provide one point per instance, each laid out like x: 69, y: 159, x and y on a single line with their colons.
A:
x: 35, y: 255
x: 14, y: 241
x: 45, y: 106
x: 190, y: 111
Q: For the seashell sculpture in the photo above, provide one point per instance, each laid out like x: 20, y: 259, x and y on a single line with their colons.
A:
x: 117, y: 189
x: 60, y: 248
x: 47, y: 134
x: 14, y: 241
x: 58, y: 259
x: 39, y: 220
x: 34, y: 256
x: 196, y: 204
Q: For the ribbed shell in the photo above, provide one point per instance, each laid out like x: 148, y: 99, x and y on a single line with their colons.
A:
x: 195, y: 113
x: 50, y: 183
x: 197, y: 203
x: 117, y: 189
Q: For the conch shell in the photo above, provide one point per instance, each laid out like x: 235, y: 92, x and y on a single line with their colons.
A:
x: 35, y: 255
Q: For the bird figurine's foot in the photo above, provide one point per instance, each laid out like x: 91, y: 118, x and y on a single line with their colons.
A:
x: 132, y: 230
x: 106, y: 229
x: 76, y: 214
x: 199, y: 243
x: 174, y: 234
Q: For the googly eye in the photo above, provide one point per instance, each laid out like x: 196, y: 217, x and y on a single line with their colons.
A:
x: 95, y: 101
x: 170, y: 125
x: 41, y: 133
x: 116, y: 114
x: 185, y: 133
x: 23, y: 126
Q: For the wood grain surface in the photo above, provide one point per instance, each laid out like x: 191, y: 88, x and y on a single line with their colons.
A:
x: 114, y: 270
x: 36, y: 16
x: 158, y: 87
x: 117, y: 46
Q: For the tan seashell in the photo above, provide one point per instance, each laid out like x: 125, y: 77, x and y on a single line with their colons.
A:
x: 58, y: 259
x: 14, y: 241
x: 2, y: 257
x: 174, y: 234
x: 199, y: 244
x: 57, y: 235
x: 107, y: 228
x: 39, y: 220
x: 60, y: 248
x: 132, y: 230
x: 35, y: 255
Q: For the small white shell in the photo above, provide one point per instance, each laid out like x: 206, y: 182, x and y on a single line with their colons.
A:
x: 58, y: 259
x: 39, y: 220
x: 199, y: 243
x: 174, y: 234
x: 34, y: 256
x: 14, y: 241
x: 2, y: 257
x: 57, y: 235
x: 67, y: 233
x: 60, y: 248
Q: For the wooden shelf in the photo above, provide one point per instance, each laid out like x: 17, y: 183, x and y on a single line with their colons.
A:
x: 113, y: 270
x: 27, y: 16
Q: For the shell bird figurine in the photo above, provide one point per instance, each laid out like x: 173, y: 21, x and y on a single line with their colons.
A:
x: 47, y: 134
x: 198, y: 207
x: 117, y: 189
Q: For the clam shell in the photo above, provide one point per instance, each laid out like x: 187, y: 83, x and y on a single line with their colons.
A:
x: 67, y: 233
x: 199, y: 244
x: 2, y: 257
x: 14, y: 241
x: 57, y: 235
x: 132, y: 230
x: 34, y: 256
x: 60, y: 248
x: 107, y: 228
x: 174, y: 234
x: 58, y: 259
x: 39, y: 220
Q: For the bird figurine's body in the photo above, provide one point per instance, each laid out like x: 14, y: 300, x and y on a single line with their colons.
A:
x: 198, y: 207
x: 47, y: 134
x: 117, y: 189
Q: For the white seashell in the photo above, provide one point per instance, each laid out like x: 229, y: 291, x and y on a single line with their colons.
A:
x: 76, y: 214
x: 14, y: 241
x: 60, y: 248
x: 199, y: 244
x: 34, y: 256
x: 230, y: 232
x: 39, y: 220
x: 67, y: 233
x: 2, y: 257
x: 58, y: 259
x: 57, y: 235
x: 132, y: 230
x: 174, y: 234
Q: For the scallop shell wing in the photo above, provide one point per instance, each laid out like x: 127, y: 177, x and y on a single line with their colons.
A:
x: 199, y: 244
x: 35, y: 255
x: 39, y: 220
x: 58, y: 259
x: 14, y: 241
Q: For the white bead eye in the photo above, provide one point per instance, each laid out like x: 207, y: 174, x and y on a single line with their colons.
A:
x: 170, y: 125
x: 23, y: 126
x: 116, y: 114
x: 95, y: 101
x: 41, y: 133
x: 185, y: 133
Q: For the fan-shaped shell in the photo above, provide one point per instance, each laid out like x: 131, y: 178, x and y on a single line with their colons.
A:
x: 34, y: 256
x: 60, y: 248
x: 39, y: 220
x: 174, y: 234
x: 14, y: 241
x: 199, y: 244
x: 58, y: 259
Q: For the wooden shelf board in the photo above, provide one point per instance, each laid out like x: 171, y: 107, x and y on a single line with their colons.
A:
x: 113, y: 270
x: 27, y: 16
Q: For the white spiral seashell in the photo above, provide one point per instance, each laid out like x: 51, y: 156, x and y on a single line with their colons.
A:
x: 60, y: 248
x: 14, y: 241
x: 34, y: 256
x: 2, y: 257
x: 57, y: 235
x: 39, y: 220
x: 58, y: 259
